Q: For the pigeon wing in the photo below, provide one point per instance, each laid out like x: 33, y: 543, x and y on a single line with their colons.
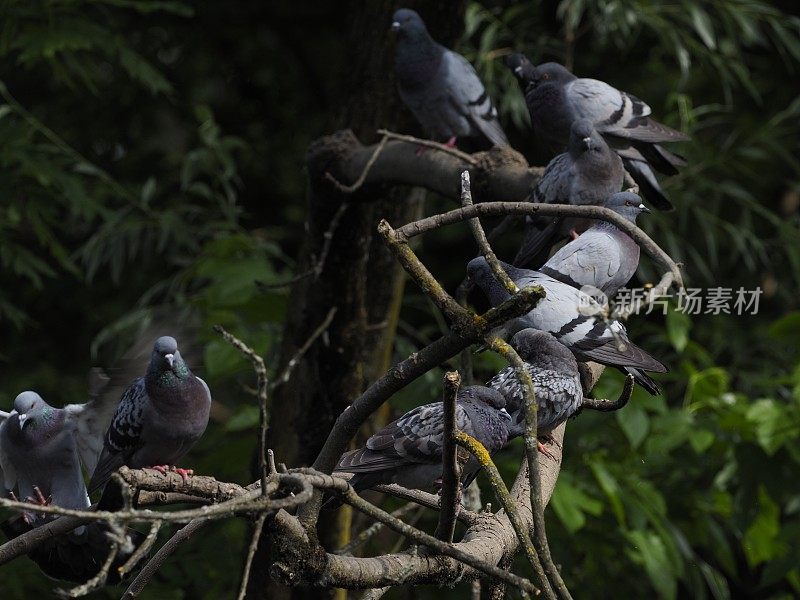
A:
x: 470, y: 98
x: 123, y: 435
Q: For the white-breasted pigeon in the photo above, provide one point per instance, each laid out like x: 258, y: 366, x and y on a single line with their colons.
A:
x: 585, y: 175
x: 441, y: 87
x: 159, y: 417
x: 556, y: 98
x: 573, y: 317
x: 408, y: 451
x: 603, y: 257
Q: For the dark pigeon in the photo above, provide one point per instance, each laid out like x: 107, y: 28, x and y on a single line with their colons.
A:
x: 159, y: 418
x: 556, y: 381
x: 440, y: 86
x: 409, y: 450
x: 586, y: 175
x: 603, y: 257
x: 573, y: 317
x: 41, y: 451
x: 556, y: 98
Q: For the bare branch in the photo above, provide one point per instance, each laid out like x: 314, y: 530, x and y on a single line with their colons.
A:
x: 425, y: 499
x: 96, y: 582
x: 141, y: 551
x: 610, y: 405
x: 501, y: 491
x: 363, y: 537
x: 349, y: 189
x: 410, y: 139
x: 483, y: 243
x: 251, y: 551
x: 263, y: 400
x: 287, y: 371
x: 451, y: 472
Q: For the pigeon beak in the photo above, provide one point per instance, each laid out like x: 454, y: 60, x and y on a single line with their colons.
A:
x: 505, y: 413
x: 518, y: 71
x: 22, y: 418
x: 587, y: 142
x: 170, y: 358
x: 395, y: 27
x: 643, y: 208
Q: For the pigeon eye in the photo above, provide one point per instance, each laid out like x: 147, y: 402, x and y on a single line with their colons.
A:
x: 546, y: 76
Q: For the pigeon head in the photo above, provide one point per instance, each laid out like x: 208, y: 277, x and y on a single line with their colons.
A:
x: 541, y: 349
x: 479, y: 394
x: 31, y: 409
x: 584, y: 138
x: 166, y: 359
x: 551, y: 73
x: 521, y: 67
x: 626, y: 204
x: 407, y: 23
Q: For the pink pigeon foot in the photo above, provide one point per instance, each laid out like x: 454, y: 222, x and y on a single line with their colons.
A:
x: 163, y: 469
x: 574, y: 234
x: 184, y: 473
x: 451, y: 143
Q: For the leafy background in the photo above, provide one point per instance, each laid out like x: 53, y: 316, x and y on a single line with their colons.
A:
x: 152, y: 154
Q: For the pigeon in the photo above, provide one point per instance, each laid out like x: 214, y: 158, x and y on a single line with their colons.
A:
x: 556, y: 382
x: 159, y: 417
x: 585, y: 175
x: 603, y: 257
x: 440, y: 86
x: 573, y: 317
x: 556, y: 98
x: 41, y: 452
x: 42, y: 448
x: 408, y: 451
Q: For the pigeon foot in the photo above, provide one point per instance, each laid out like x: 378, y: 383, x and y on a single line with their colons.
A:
x: 164, y: 469
x: 451, y: 143
x: 543, y: 449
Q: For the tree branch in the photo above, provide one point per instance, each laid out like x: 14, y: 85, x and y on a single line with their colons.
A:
x: 451, y: 473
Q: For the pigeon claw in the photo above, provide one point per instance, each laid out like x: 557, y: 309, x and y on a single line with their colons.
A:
x: 39, y: 497
x: 184, y: 473
x: 163, y: 469
x: 451, y: 143
x: 543, y: 449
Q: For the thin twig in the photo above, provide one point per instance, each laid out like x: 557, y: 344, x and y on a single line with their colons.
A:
x: 451, y: 472
x: 96, y: 582
x: 143, y: 549
x: 349, y: 189
x: 501, y: 491
x: 160, y: 557
x: 371, y: 531
x: 480, y: 237
x: 263, y: 399
x: 467, y: 158
x: 287, y: 371
x: 251, y: 552
x: 319, y: 264
x: 425, y: 499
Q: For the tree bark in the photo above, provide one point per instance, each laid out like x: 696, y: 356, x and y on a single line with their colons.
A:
x: 360, y: 277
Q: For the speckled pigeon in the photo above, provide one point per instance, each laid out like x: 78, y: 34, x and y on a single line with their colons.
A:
x: 555, y: 98
x: 585, y: 175
x: 159, y: 418
x: 440, y: 86
x: 409, y: 450
x: 573, y: 317
x: 604, y: 256
x: 556, y: 382
x: 41, y: 451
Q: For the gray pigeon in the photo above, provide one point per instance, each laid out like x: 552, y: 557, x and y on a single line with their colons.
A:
x: 556, y: 382
x: 408, y: 451
x: 586, y: 175
x: 604, y: 256
x: 159, y: 418
x: 440, y: 86
x: 42, y: 448
x: 573, y: 317
x: 556, y: 98
x: 41, y: 451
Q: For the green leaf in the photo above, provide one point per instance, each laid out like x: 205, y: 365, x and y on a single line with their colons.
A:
x: 634, y: 423
x: 246, y: 418
x: 610, y: 487
x: 571, y: 503
x: 650, y: 551
x: 701, y: 440
x: 703, y: 26
x: 770, y: 421
x: 760, y: 542
x: 678, y: 326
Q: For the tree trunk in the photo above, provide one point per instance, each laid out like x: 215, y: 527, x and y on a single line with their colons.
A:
x: 360, y: 277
